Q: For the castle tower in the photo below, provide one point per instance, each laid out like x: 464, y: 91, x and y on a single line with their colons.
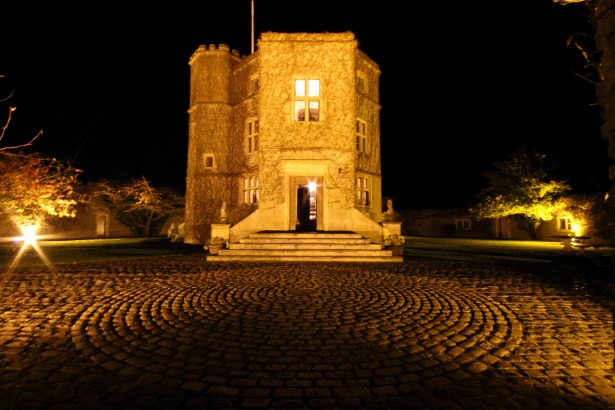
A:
x: 210, y: 129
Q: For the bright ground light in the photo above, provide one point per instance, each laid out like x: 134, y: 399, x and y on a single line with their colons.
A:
x: 29, y: 240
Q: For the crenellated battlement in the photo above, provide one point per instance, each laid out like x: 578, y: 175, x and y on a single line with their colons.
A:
x: 202, y: 49
x: 221, y: 47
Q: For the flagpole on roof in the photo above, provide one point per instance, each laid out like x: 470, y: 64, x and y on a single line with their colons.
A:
x: 252, y: 43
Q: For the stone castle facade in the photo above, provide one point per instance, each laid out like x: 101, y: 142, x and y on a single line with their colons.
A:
x: 285, y: 139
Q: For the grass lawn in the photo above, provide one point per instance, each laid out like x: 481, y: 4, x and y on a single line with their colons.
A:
x: 90, y: 250
x: 495, y: 250
x: 502, y: 249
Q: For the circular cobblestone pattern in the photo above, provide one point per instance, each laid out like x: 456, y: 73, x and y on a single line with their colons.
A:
x: 297, y: 325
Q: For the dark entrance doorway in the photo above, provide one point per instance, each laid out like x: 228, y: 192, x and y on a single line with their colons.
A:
x: 306, y: 208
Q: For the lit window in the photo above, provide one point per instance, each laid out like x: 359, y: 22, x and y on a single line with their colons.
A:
x: 307, y: 96
x: 209, y: 160
x: 251, y: 136
x: 313, y: 88
x: 564, y: 224
x: 250, y: 190
x: 463, y: 224
x: 363, y: 198
x: 361, y: 136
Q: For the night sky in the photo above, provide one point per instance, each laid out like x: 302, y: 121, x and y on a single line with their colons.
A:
x: 463, y: 84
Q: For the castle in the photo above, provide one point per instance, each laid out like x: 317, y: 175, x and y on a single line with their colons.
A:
x: 285, y: 139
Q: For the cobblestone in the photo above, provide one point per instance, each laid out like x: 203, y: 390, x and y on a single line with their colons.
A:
x: 176, y: 332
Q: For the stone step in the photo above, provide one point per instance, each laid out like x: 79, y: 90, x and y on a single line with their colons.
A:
x: 305, y: 246
x: 270, y: 258
x: 321, y: 240
x: 306, y: 235
x: 306, y: 252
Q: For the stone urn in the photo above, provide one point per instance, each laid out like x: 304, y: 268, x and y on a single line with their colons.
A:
x: 213, y: 248
x: 397, y: 250
x: 215, y: 244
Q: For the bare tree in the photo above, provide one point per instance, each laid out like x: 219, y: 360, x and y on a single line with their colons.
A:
x: 5, y: 127
x: 138, y: 204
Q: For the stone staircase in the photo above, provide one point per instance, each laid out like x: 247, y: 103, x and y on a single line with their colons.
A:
x: 287, y: 246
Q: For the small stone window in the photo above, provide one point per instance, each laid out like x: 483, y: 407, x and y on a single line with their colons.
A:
x: 361, y: 82
x: 253, y: 86
x: 463, y: 224
x: 361, y: 136
x: 564, y: 223
x: 363, y: 189
x: 250, y: 190
x: 208, y: 160
x: 251, y: 136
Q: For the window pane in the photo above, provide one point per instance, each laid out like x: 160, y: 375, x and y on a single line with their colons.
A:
x: 299, y: 110
x: 313, y: 88
x: 314, y: 110
x: 299, y: 88
x: 565, y: 224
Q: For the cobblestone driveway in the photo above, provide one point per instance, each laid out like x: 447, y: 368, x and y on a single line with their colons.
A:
x: 175, y: 332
